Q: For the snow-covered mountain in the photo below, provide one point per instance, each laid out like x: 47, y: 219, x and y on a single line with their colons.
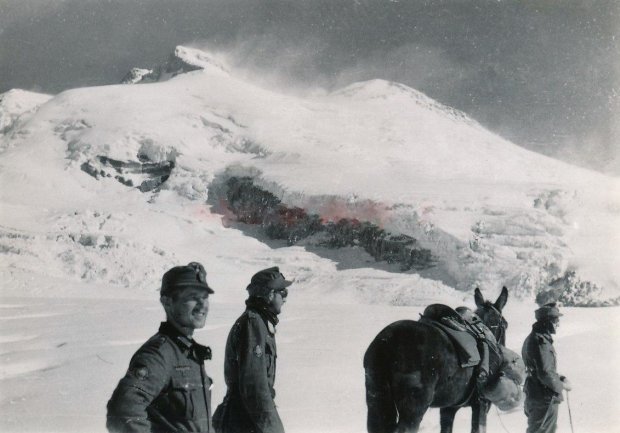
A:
x: 17, y: 103
x: 100, y: 182
x: 376, y: 199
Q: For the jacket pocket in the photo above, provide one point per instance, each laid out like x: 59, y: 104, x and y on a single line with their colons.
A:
x: 182, y: 397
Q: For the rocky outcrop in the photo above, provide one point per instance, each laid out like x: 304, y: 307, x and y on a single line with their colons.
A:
x: 253, y: 205
x: 143, y: 174
x: 137, y: 75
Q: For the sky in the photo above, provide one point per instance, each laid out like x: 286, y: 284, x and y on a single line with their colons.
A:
x: 544, y: 74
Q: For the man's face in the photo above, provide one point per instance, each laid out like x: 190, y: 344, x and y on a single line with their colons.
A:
x: 555, y: 324
x: 187, y: 308
x: 278, y: 300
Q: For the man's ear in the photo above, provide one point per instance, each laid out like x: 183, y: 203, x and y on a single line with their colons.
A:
x: 271, y: 296
x: 166, y: 301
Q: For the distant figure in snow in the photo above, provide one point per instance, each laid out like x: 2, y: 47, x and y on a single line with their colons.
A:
x: 166, y: 388
x: 543, y: 386
x: 250, y: 360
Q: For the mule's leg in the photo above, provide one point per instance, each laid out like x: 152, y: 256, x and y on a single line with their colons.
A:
x: 411, y: 410
x: 381, y: 408
x: 412, y: 401
x: 446, y: 417
x: 479, y: 410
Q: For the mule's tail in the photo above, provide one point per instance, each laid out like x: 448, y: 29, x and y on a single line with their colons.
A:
x: 382, y: 413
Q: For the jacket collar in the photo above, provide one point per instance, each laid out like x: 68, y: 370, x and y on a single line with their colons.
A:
x: 543, y: 330
x: 187, y: 345
x: 183, y: 341
x: 261, y: 306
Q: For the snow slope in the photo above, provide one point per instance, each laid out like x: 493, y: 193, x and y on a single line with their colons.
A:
x: 83, y: 244
x: 16, y: 104
x: 493, y: 213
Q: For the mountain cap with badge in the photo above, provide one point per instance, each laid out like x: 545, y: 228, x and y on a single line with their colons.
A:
x: 263, y: 282
x: 548, y: 311
x: 180, y: 277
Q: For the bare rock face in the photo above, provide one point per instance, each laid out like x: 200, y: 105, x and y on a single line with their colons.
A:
x: 253, y: 205
x: 137, y: 75
x: 143, y: 174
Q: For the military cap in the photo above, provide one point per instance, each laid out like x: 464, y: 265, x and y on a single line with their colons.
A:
x: 267, y: 280
x: 548, y: 311
x: 180, y: 277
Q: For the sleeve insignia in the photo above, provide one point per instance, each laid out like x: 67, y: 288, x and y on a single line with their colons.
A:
x: 140, y: 372
x: 258, y: 351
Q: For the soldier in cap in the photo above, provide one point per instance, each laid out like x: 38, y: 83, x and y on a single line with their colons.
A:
x: 250, y: 360
x: 166, y: 388
x: 543, y: 386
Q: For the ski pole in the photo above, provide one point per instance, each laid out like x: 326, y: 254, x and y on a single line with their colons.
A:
x: 570, y: 415
x: 500, y: 420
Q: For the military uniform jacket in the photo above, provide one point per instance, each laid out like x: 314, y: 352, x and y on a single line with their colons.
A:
x: 543, y: 382
x: 166, y: 388
x: 250, y: 372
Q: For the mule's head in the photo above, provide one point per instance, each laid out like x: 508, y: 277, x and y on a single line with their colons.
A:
x: 491, y: 314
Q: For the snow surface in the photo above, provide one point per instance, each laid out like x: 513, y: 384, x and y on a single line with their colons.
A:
x: 16, y: 104
x: 81, y: 258
x: 61, y: 357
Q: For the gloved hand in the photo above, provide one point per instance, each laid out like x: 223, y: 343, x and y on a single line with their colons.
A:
x: 566, y: 383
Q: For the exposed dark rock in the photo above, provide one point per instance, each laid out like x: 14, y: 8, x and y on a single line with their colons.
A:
x: 249, y: 203
x: 253, y: 205
x: 142, y: 174
x: 139, y: 75
x: 292, y: 224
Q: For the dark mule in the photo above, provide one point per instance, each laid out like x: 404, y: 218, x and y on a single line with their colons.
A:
x: 411, y: 366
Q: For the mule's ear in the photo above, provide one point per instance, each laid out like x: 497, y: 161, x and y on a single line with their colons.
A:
x: 502, y: 299
x: 478, y: 297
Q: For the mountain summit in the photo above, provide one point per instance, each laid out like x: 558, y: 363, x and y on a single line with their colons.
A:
x: 184, y: 59
x: 375, y: 188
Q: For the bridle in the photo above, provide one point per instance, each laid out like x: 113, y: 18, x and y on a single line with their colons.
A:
x: 498, y: 329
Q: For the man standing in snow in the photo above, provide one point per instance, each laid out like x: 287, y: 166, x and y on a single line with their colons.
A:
x: 543, y: 386
x: 166, y: 388
x: 250, y: 360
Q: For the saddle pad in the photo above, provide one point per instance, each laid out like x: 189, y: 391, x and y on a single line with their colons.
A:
x: 465, y: 343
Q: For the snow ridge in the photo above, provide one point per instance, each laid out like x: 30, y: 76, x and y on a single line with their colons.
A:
x: 395, y: 93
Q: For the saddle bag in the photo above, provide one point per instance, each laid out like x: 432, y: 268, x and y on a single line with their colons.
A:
x: 504, y: 393
x: 513, y: 366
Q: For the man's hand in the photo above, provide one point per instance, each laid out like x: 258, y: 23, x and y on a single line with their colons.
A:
x: 566, y: 383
